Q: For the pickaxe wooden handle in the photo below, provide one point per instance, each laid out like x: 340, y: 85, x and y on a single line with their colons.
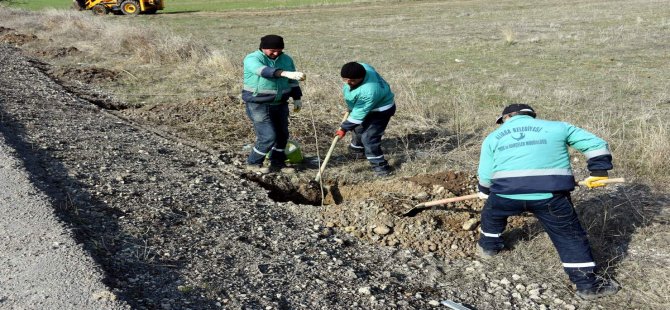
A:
x: 446, y: 200
x: 330, y: 151
x: 473, y: 196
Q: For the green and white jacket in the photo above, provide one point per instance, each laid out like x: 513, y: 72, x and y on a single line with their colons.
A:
x: 260, y: 83
x: 372, y: 95
x: 530, y: 156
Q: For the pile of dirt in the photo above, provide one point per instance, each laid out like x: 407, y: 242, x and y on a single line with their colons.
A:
x: 86, y: 75
x: 384, y: 211
x: 211, y: 120
x: 68, y: 78
x: 378, y: 212
x: 13, y: 38
x: 58, y: 52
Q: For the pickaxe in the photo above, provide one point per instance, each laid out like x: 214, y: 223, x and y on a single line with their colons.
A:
x: 473, y: 196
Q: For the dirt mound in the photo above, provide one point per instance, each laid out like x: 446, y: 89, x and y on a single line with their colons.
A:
x: 17, y: 39
x: 213, y: 120
x: 378, y: 211
x: 86, y: 75
x: 58, y: 52
x: 82, y: 81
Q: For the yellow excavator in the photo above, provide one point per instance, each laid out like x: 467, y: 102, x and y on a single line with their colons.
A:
x: 125, y: 7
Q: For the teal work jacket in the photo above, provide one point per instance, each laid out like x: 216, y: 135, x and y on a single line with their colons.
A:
x: 260, y: 83
x: 372, y: 95
x: 530, y: 156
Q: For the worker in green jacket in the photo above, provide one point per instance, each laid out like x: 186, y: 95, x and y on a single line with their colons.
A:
x: 524, y: 166
x: 371, y: 105
x: 270, y: 80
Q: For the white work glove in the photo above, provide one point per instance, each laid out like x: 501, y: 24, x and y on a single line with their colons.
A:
x: 482, y: 195
x: 297, y: 105
x: 293, y: 75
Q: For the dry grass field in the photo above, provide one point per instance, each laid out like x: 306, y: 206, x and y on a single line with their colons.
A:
x: 601, y: 65
x: 453, y: 65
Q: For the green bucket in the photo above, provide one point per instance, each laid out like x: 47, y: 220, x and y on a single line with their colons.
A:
x: 292, y: 151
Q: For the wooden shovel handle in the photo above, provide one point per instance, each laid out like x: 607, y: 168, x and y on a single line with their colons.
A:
x: 330, y: 151
x: 607, y: 181
x: 447, y: 200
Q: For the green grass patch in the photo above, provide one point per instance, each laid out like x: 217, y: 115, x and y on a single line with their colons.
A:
x: 40, y: 4
x: 176, y: 6
x: 226, y: 5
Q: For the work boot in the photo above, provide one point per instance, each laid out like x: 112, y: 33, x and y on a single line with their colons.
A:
x: 484, y: 253
x: 382, y: 171
x: 356, y: 153
x: 257, y: 169
x: 602, y: 289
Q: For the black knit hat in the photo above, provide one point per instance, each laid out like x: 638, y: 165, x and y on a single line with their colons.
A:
x: 352, y: 70
x: 272, y: 41
x: 520, y: 108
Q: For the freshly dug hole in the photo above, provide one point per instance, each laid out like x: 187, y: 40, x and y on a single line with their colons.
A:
x: 291, y: 188
x: 375, y: 211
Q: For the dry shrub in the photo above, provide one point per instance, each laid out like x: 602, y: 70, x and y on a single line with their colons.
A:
x: 648, y: 146
x: 102, y: 37
x: 157, y: 47
x: 221, y: 71
x: 71, y: 24
x: 509, y: 35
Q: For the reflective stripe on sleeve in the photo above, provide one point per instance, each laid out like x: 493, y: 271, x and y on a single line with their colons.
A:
x: 596, y: 153
x: 354, y: 121
x: 384, y: 108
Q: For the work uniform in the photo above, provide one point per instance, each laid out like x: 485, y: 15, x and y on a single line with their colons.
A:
x: 371, y: 105
x: 525, y: 166
x: 266, y: 98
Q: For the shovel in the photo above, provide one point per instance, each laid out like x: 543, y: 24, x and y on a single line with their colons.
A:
x: 330, y: 151
x: 423, y: 205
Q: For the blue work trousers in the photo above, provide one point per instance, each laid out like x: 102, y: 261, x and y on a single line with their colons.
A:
x: 271, y: 128
x: 560, y: 221
x: 369, y: 136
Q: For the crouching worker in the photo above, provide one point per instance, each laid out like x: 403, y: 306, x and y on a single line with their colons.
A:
x: 370, y: 102
x: 525, y: 167
x: 270, y: 80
